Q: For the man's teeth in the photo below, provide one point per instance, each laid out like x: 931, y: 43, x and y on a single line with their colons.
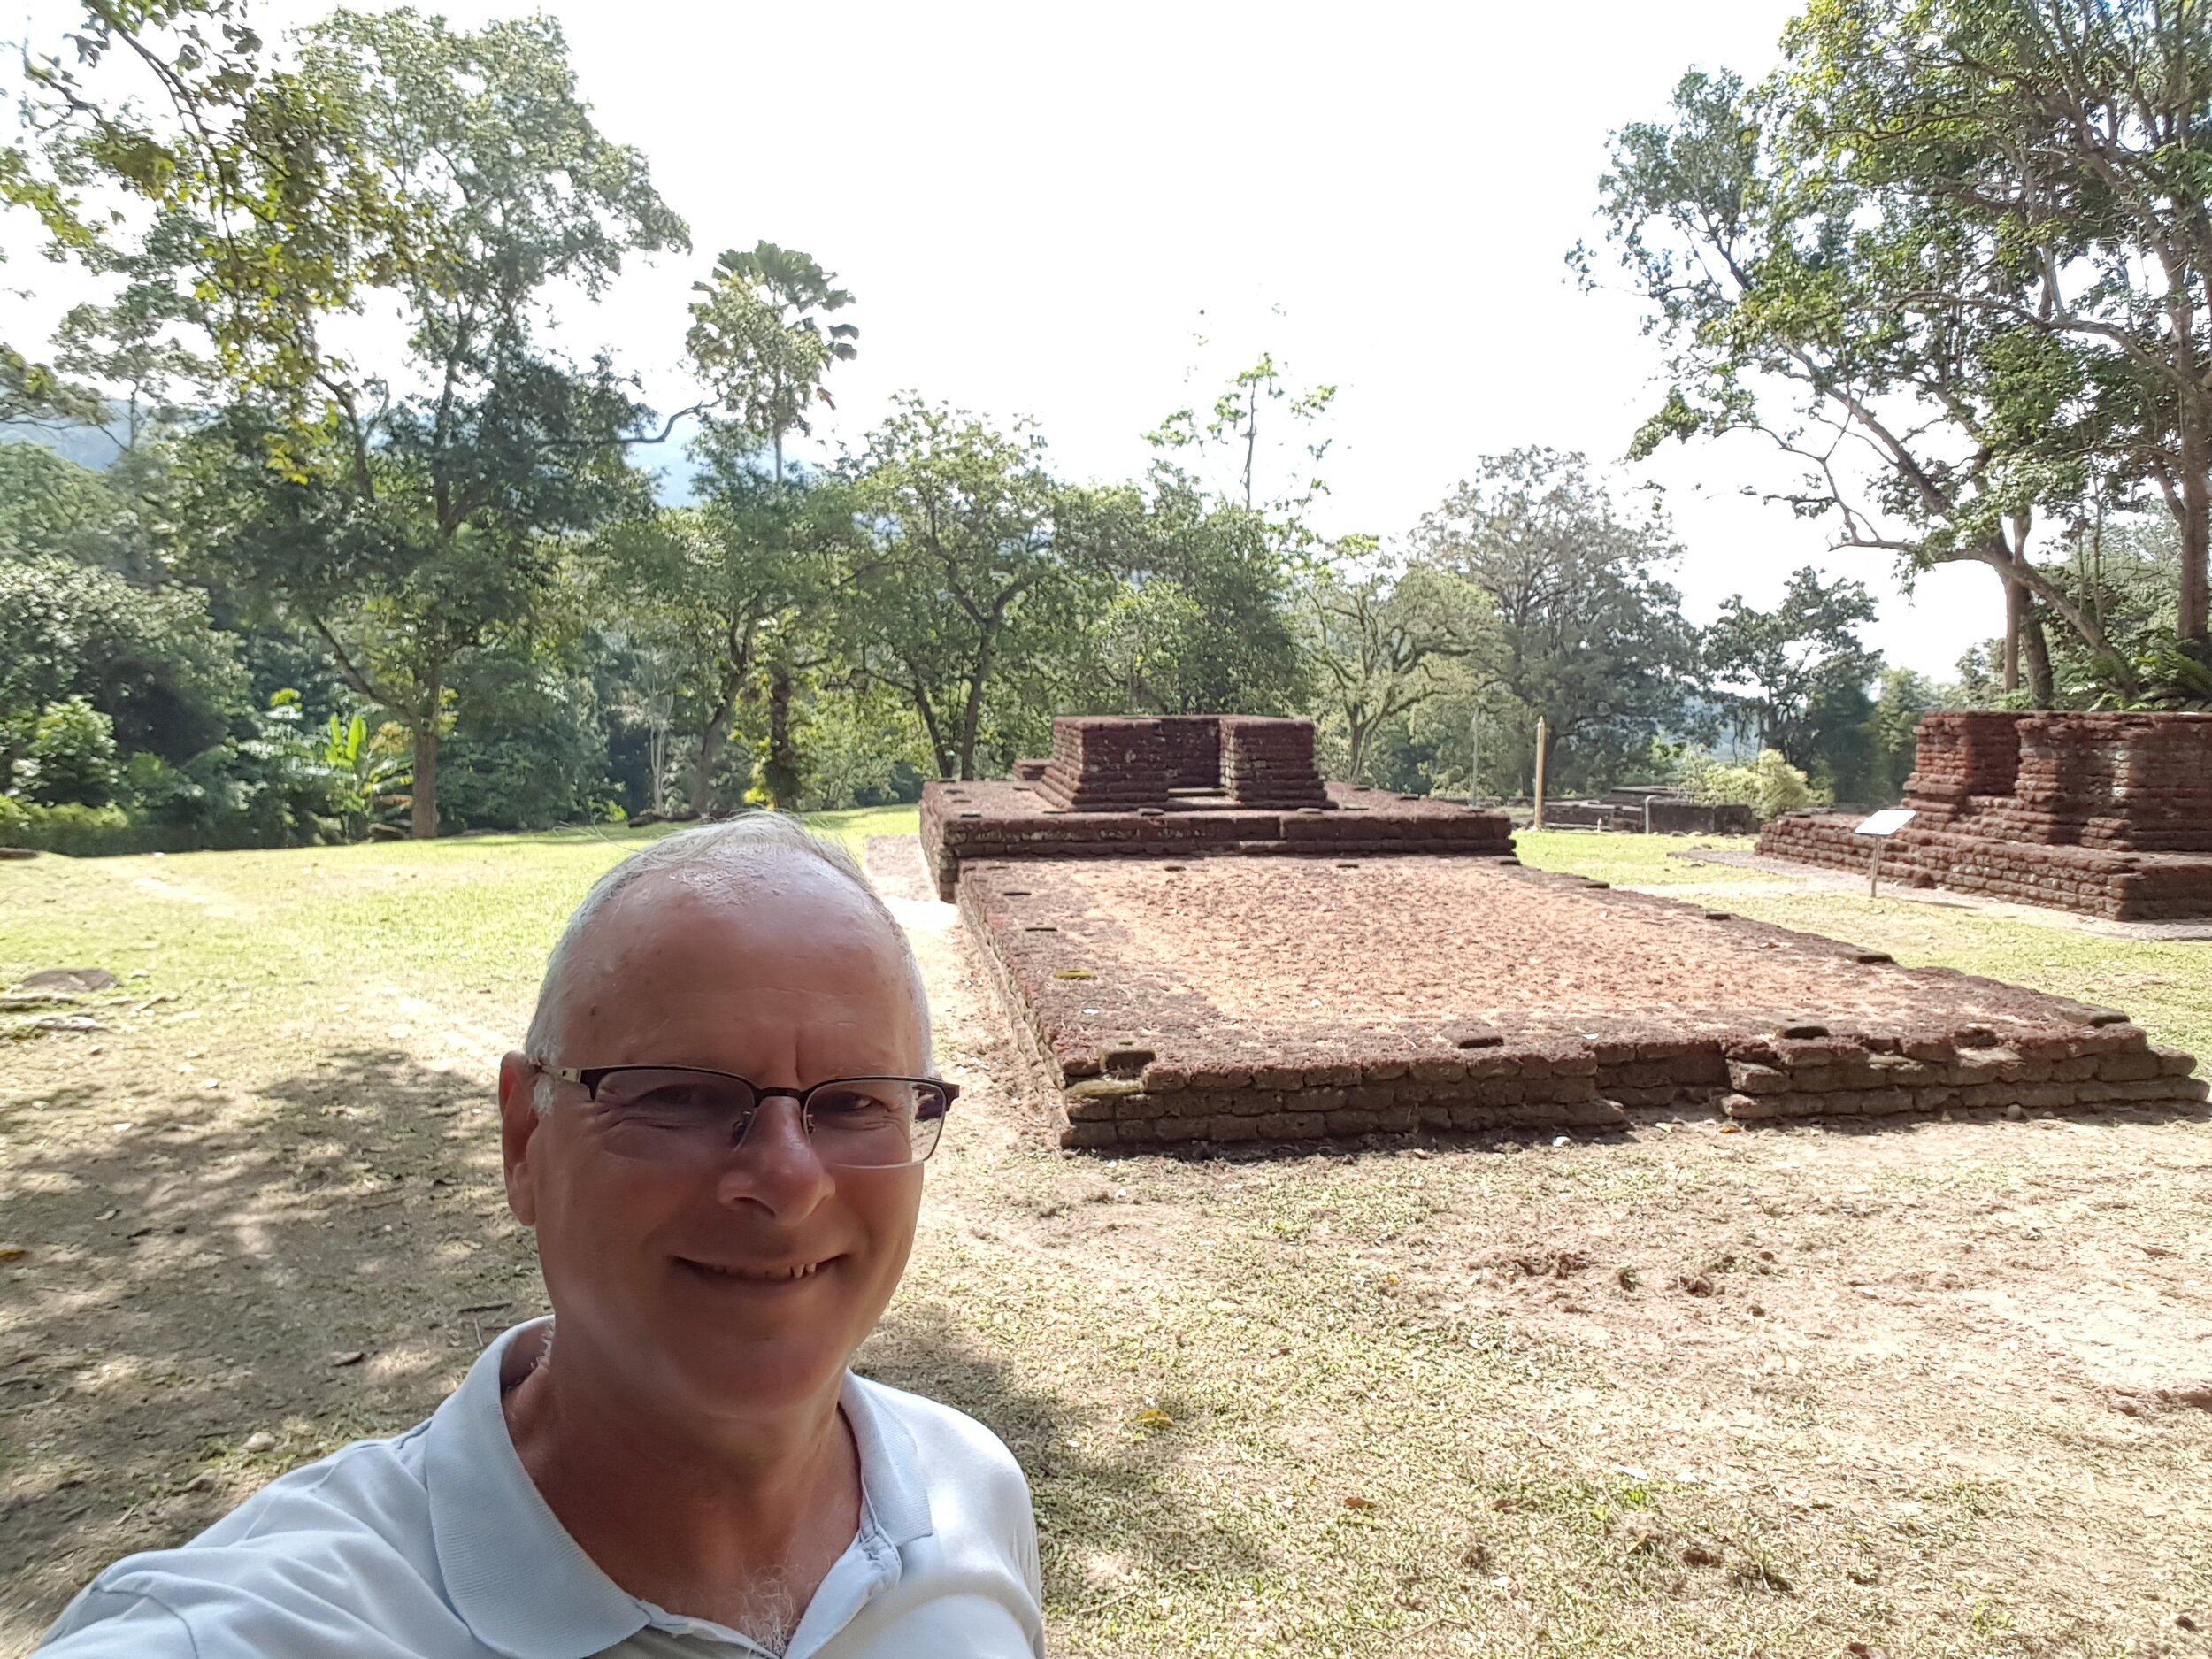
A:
x: 777, y: 1273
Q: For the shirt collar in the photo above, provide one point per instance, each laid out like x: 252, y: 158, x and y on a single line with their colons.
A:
x: 523, y: 1585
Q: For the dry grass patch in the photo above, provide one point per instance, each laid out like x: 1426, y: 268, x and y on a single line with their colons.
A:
x: 1450, y: 1399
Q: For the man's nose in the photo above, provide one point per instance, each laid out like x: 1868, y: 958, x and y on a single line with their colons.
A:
x: 775, y: 1166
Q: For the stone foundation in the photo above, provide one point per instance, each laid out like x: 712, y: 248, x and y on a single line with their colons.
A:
x: 2108, y: 814
x: 1130, y: 1041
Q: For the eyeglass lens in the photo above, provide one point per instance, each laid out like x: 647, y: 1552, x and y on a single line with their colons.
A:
x: 678, y: 1116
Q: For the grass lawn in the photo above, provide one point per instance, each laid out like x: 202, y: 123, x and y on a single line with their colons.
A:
x: 2166, y: 986
x: 1926, y: 1387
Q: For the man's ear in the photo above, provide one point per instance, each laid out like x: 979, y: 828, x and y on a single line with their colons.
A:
x: 519, y: 1121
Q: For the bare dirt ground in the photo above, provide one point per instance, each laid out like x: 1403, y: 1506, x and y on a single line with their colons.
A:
x: 1925, y: 1388
x: 1407, y: 949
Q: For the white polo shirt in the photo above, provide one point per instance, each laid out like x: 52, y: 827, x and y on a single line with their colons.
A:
x: 436, y: 1544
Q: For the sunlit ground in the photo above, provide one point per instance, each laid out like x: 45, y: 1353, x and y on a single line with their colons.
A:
x: 1934, y: 1395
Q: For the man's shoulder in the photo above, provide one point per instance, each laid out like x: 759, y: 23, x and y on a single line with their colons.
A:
x: 950, y: 1444
x: 278, y: 1565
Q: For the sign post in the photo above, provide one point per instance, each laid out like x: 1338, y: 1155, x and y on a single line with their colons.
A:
x: 1541, y: 736
x: 1878, y: 828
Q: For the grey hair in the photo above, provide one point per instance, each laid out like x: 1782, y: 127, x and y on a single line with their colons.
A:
x: 718, y: 850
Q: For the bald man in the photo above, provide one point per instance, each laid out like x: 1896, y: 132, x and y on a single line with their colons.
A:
x: 716, y: 1127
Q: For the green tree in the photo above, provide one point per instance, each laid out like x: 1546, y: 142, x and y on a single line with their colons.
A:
x: 253, y: 191
x: 1777, y: 276
x: 68, y: 756
x: 2070, y: 136
x: 1375, y: 644
x: 1776, y: 665
x: 50, y: 507
x: 967, y: 581
x: 426, y: 526
x: 1201, y: 621
x: 1234, y: 426
x: 1905, y: 696
x: 714, y: 586
x: 150, y: 660
x: 1578, y: 628
x: 760, y: 340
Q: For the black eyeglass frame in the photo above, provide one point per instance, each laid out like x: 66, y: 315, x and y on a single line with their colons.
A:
x: 590, y: 1076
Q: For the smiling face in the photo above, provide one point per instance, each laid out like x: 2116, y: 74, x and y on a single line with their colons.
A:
x: 736, y: 1291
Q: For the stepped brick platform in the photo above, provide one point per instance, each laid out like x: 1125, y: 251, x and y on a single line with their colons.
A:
x: 964, y: 821
x: 1188, y: 785
x: 1210, y: 1000
x: 2108, y: 814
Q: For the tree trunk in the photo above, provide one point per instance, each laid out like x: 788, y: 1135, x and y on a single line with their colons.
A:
x: 928, y: 713
x: 2042, y: 684
x: 972, y: 716
x: 424, y: 817
x: 2196, y: 623
x: 781, y: 773
x: 710, y: 751
x: 2016, y: 602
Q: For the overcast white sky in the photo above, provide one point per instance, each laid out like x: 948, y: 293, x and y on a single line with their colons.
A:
x: 1041, y: 208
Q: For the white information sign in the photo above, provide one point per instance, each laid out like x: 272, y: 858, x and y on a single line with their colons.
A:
x: 1887, y: 821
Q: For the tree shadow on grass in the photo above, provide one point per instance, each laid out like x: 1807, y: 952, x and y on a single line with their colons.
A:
x: 199, y: 1269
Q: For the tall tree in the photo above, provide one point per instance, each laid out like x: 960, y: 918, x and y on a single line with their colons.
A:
x: 1797, y: 675
x: 1375, y: 642
x: 2071, y: 136
x: 1923, y: 426
x: 1233, y: 425
x: 1580, y: 630
x: 969, y: 578
x: 761, y: 341
x: 716, y: 583
x: 425, y: 520
x: 1202, y: 621
x: 249, y: 182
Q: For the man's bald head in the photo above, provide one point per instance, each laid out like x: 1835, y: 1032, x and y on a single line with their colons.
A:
x: 703, y: 876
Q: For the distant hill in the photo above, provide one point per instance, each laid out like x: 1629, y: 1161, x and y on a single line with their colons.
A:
x: 87, y: 446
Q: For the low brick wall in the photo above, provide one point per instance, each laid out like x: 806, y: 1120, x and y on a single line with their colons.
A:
x: 960, y: 821
x: 2108, y: 814
x: 1191, y: 744
x: 1170, y: 1072
x: 1270, y: 763
x: 2119, y: 887
x: 1102, y: 764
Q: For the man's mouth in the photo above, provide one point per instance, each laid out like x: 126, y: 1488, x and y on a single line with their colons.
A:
x: 757, y: 1275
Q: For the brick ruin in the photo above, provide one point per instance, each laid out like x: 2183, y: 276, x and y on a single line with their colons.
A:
x: 2108, y: 814
x: 1190, y: 786
x: 1135, y: 1036
x: 1386, y: 966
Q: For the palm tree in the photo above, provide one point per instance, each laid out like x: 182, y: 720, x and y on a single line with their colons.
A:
x: 762, y: 339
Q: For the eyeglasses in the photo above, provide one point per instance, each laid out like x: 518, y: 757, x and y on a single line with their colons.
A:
x: 676, y: 1114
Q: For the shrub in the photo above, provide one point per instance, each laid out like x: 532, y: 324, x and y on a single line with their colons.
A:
x: 1770, y: 786
x: 69, y: 759
x: 527, y: 749
x: 80, y: 832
